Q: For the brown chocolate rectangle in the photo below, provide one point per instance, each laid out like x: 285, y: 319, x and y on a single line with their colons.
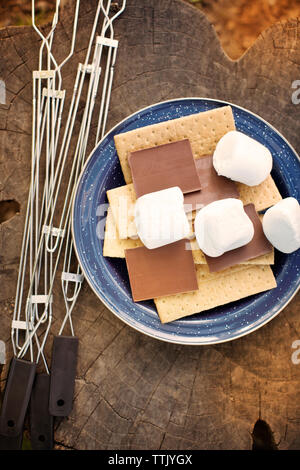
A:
x: 258, y: 246
x: 164, y: 166
x: 213, y: 186
x: 160, y: 272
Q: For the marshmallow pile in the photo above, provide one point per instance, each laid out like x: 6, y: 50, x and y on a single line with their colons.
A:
x: 222, y: 225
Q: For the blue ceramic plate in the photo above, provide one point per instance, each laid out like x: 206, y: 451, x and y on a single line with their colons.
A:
x: 108, y: 276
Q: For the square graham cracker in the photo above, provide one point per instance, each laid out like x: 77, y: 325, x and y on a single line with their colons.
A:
x: 216, y: 289
x: 203, y: 130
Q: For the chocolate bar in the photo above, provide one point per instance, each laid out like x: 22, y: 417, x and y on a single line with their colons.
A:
x: 258, y: 246
x: 162, y: 271
x: 164, y: 166
x: 213, y: 186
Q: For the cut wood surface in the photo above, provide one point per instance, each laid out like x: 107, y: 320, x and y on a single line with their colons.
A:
x: 132, y: 391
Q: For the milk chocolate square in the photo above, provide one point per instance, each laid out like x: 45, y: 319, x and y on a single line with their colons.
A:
x: 213, y: 186
x: 258, y: 246
x: 163, y: 167
x: 163, y: 271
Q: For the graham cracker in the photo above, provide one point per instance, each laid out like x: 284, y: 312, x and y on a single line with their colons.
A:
x: 203, y: 130
x: 142, y: 138
x: 113, y: 246
x: 215, y: 289
x: 262, y: 196
x: 122, y: 201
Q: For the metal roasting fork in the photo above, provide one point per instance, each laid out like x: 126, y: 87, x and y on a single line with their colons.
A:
x: 54, y: 98
x: 77, y: 277
x: 43, y: 240
x: 47, y: 110
x: 64, y: 353
x: 62, y: 406
x: 55, y: 244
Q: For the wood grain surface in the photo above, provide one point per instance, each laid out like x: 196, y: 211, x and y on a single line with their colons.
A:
x: 134, y: 392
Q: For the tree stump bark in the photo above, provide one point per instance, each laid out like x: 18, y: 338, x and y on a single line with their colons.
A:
x: 132, y: 391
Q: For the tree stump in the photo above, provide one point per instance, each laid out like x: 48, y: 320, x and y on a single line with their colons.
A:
x: 132, y: 391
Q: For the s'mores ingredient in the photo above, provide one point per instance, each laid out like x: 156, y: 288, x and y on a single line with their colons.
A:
x: 164, y: 271
x: 213, y: 186
x: 164, y: 166
x: 242, y: 159
x: 160, y: 218
x: 223, y: 226
x: 215, y: 289
x: 203, y: 130
x: 258, y: 246
x: 281, y: 225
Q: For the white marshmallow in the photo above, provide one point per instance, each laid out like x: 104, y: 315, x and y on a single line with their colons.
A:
x: 243, y: 159
x: 160, y: 218
x: 281, y: 225
x: 222, y: 226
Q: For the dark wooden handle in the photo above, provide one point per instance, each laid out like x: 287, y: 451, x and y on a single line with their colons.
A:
x: 41, y: 422
x: 11, y: 443
x: 63, y: 373
x: 16, y: 396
